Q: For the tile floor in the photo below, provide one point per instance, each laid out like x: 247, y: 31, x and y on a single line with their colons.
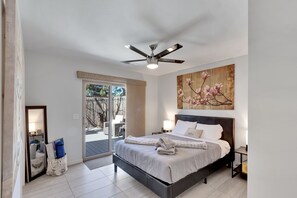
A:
x: 79, y: 181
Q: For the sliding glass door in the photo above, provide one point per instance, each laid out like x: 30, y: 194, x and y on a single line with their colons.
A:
x: 104, y: 109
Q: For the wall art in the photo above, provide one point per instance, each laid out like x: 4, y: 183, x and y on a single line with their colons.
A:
x: 211, y: 89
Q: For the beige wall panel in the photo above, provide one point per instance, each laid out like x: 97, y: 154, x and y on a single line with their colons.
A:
x: 135, y: 110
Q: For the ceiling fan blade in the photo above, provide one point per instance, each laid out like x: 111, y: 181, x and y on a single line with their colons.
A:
x: 131, y: 61
x: 168, y: 51
x: 171, y: 60
x: 136, y: 50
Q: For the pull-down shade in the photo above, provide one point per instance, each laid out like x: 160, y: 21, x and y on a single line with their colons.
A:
x: 135, y: 122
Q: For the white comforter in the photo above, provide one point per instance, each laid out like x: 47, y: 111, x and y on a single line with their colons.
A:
x: 174, y: 167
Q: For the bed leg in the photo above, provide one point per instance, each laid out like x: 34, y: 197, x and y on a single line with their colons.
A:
x: 205, y: 180
x: 115, y: 168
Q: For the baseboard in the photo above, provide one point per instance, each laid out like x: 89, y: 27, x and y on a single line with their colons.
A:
x: 73, y: 162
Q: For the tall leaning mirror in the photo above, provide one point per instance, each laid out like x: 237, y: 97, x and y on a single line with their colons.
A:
x: 36, y: 129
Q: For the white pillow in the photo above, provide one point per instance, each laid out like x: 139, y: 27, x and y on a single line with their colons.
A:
x: 211, y: 132
x: 182, y: 126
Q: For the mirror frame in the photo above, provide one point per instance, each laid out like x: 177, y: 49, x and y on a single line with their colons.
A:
x: 28, y: 161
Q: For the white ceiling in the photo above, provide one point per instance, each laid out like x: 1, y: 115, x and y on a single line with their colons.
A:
x: 209, y: 30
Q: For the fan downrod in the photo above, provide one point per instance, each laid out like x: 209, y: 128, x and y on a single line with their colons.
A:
x: 153, y: 46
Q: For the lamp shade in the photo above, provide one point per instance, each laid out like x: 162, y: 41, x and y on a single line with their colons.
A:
x: 32, y: 127
x: 168, y: 125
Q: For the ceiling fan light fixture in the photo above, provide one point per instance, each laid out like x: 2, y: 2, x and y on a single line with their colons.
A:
x: 152, y: 66
x: 152, y: 63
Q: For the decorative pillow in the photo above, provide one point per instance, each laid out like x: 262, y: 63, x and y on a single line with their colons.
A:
x: 59, y: 144
x: 194, y: 133
x: 50, y: 150
x: 211, y: 132
x: 182, y: 126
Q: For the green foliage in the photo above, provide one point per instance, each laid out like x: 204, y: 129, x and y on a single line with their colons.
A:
x: 93, y: 90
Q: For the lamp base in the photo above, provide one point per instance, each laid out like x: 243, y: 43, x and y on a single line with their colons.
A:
x: 246, y: 147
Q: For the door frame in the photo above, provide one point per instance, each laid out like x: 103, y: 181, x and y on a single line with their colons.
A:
x: 110, y: 84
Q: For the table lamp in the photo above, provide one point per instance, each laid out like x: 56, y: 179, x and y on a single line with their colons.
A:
x: 32, y: 127
x: 168, y: 125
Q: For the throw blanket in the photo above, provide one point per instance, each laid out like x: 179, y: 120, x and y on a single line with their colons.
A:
x: 178, y: 143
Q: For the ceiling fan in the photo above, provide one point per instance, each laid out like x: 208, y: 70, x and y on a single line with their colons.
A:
x: 152, y: 60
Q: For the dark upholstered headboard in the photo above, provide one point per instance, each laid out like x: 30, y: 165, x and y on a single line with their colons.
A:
x: 226, y: 123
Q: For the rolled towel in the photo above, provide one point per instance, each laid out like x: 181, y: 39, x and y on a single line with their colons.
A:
x: 165, y: 143
x: 162, y: 151
x: 141, y: 140
x: 190, y: 144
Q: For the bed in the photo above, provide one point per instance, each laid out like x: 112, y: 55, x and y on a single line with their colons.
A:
x: 172, y: 188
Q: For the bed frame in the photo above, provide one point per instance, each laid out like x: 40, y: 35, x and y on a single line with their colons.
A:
x: 166, y: 190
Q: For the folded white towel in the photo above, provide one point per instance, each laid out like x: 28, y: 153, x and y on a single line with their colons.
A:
x: 163, y: 151
x: 165, y: 143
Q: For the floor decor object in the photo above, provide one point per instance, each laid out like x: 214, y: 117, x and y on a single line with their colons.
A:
x: 211, y: 89
x: 56, y: 167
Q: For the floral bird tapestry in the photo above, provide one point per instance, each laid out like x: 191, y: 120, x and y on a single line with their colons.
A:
x: 211, y: 89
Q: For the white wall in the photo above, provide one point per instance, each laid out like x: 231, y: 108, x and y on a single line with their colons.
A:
x: 51, y: 80
x: 272, y: 99
x: 168, y: 105
x: 17, y: 191
x: 151, y: 107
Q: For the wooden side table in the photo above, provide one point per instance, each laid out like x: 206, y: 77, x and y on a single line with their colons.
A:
x: 238, y: 169
x: 157, y: 132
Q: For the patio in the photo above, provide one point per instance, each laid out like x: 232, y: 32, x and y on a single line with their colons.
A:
x: 97, y: 143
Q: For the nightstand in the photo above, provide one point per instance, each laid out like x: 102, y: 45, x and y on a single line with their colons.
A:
x: 157, y: 132
x: 238, y: 169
